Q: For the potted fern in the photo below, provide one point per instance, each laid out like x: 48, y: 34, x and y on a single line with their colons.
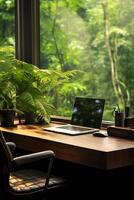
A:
x: 19, y: 92
x: 22, y: 87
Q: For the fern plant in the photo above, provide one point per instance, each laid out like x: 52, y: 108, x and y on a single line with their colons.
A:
x: 24, y: 87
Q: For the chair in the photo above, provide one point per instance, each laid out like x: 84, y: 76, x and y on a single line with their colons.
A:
x: 18, y: 180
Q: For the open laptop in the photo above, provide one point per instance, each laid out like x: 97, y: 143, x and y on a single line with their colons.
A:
x: 86, y: 117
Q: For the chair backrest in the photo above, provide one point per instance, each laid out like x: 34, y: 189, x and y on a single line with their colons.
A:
x: 5, y: 153
x: 5, y: 162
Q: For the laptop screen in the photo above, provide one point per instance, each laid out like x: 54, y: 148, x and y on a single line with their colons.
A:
x: 88, y: 112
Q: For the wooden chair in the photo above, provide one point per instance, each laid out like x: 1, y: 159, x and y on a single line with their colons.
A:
x: 18, y: 180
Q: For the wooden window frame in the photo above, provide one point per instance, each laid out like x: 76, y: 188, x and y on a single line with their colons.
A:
x: 27, y: 34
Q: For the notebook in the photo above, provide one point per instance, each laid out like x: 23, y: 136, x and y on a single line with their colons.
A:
x: 86, y: 117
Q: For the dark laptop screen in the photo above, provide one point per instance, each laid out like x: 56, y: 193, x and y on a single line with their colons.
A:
x: 88, y: 112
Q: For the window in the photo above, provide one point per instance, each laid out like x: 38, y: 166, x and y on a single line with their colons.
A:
x: 7, y: 23
x: 95, y: 37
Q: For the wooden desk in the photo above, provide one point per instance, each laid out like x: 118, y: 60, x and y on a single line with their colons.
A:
x: 103, y: 153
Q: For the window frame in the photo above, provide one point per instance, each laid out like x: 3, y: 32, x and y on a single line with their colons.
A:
x: 27, y: 34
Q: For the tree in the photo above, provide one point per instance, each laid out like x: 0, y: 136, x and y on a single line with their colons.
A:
x: 112, y: 48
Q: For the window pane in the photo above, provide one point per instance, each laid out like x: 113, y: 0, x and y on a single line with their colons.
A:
x: 7, y: 23
x: 97, y: 39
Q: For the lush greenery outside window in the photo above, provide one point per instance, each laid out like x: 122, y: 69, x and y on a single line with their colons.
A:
x: 7, y: 23
x: 95, y: 37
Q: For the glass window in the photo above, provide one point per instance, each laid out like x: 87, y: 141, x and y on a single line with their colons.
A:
x: 7, y: 23
x: 96, y: 38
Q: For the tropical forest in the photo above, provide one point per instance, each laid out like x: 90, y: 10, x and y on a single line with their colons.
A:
x: 93, y: 37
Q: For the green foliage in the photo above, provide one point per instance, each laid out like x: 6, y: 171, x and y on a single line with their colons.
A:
x: 72, y: 37
x: 23, y: 86
x: 78, y: 42
x: 7, y: 22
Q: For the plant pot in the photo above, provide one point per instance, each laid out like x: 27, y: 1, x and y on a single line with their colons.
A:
x: 7, y: 117
x: 30, y: 118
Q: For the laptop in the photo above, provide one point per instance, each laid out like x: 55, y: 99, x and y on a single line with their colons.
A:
x: 86, y: 117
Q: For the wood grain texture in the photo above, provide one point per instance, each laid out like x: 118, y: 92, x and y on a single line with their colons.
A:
x: 103, y: 153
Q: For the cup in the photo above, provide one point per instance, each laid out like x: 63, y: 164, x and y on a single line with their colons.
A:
x: 119, y: 118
